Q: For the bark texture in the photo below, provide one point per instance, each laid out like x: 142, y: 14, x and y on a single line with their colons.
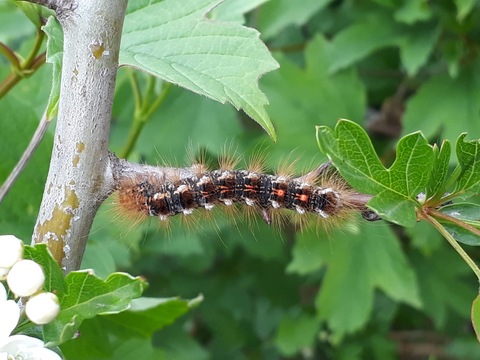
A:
x: 79, y: 177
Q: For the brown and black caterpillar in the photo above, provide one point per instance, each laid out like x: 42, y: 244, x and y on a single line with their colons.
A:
x: 166, y: 192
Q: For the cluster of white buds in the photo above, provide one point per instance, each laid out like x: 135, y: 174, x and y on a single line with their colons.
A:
x: 25, y: 279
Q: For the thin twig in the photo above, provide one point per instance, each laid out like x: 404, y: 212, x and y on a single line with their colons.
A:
x: 26, y: 156
x: 11, y: 80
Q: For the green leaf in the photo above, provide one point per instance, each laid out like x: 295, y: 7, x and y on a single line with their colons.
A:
x: 439, y: 169
x: 235, y: 10
x: 468, y: 213
x: 54, y: 281
x: 394, y: 189
x: 476, y: 316
x: 147, y: 315
x: 319, y: 97
x: 363, y: 38
x: 413, y: 11
x: 357, y: 264
x: 441, y: 282
x: 468, y: 154
x: 222, y: 61
x: 464, y: 7
x: 276, y: 15
x: 416, y: 46
x: 456, y: 108
x: 88, y: 296
x: 32, y: 11
x: 296, y: 332
x: 54, y: 56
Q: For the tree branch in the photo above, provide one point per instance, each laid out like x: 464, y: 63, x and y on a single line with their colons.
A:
x: 79, y: 177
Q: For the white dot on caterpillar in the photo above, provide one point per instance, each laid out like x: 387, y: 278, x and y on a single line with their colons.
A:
x: 187, y: 211
x: 326, y: 191
x: 181, y: 188
x: 323, y: 214
x: 300, y: 210
x: 275, y: 204
x: 249, y: 202
x: 228, y: 202
x: 163, y: 217
x: 209, y: 206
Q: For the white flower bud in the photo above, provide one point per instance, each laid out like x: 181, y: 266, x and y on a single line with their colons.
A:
x: 11, y: 250
x: 25, y: 278
x: 42, y: 308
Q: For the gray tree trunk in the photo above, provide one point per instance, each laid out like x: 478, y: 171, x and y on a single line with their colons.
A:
x: 79, y: 177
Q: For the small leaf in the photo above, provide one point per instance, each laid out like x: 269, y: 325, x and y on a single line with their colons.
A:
x: 32, y: 11
x: 54, y: 56
x: 468, y: 154
x: 88, y: 296
x: 450, y: 118
x: 476, y: 316
x: 394, y: 189
x: 416, y: 46
x: 296, y: 332
x: 222, y: 61
x: 276, y: 15
x: 464, y: 7
x: 54, y: 280
x: 468, y: 213
x: 413, y: 11
x: 147, y: 315
x: 439, y: 169
x: 361, y: 39
x: 235, y: 10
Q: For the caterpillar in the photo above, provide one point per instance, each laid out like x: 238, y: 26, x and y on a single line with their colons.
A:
x: 167, y: 192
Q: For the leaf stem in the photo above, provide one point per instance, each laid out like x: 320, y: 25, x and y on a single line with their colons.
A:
x: 10, y: 55
x: 142, y: 114
x: 452, y: 242
x: 466, y: 226
x: 36, y: 47
x: 11, y: 80
x: 137, y: 96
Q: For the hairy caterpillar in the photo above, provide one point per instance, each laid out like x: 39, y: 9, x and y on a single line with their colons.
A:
x: 166, y: 192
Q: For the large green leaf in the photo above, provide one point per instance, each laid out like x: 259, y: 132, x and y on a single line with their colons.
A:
x: 222, y: 61
x: 394, y: 189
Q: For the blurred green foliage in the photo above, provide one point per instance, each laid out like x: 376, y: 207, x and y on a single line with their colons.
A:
x: 365, y: 291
